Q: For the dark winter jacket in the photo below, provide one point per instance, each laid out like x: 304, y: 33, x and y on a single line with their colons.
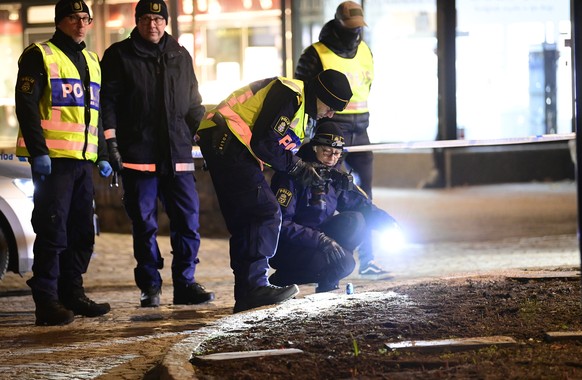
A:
x: 150, y: 97
x: 301, y: 222
x: 345, y: 44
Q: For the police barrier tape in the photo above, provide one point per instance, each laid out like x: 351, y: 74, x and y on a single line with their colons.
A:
x: 460, y: 143
x: 445, y: 143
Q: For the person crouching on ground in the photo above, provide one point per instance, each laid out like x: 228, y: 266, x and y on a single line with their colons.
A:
x: 322, y: 225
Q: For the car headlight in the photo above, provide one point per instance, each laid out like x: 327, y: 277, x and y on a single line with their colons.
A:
x: 25, y: 185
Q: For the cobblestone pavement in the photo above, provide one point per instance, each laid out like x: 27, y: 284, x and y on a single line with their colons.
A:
x: 456, y: 232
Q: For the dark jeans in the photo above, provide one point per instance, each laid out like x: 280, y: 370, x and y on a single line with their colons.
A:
x: 179, y: 197
x: 63, y: 222
x: 297, y: 264
x: 249, y: 208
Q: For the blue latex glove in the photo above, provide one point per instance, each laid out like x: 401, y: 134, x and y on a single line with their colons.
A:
x: 105, y: 169
x: 41, y: 165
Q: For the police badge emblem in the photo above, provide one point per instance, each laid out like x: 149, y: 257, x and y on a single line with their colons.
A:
x: 284, y: 197
x: 282, y: 125
x: 155, y: 8
x: 26, y: 84
x: 77, y: 6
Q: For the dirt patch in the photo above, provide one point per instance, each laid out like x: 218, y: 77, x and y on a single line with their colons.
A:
x: 348, y: 340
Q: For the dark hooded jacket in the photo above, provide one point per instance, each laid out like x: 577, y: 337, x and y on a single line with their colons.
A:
x: 301, y: 222
x: 344, y: 43
x: 150, y: 97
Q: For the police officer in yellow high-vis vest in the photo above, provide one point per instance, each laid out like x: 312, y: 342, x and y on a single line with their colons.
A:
x: 342, y: 48
x: 262, y: 124
x: 57, y: 105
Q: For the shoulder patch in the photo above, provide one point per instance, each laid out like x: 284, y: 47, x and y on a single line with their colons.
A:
x: 282, y: 125
x: 25, y: 84
x: 284, y: 196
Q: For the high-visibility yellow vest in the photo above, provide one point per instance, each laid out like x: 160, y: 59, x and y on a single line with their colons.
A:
x: 62, y: 107
x: 241, y: 109
x: 359, y: 70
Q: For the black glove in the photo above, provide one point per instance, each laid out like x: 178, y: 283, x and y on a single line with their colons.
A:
x: 306, y: 173
x: 114, y: 156
x: 333, y: 252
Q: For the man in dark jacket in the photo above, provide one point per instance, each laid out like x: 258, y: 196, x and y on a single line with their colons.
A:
x: 322, y: 225
x: 262, y: 123
x: 61, y: 134
x: 341, y: 47
x: 151, y: 111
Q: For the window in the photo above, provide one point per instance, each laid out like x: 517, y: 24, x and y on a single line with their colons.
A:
x: 513, y: 68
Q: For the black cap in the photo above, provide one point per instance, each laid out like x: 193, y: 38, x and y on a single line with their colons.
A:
x: 333, y: 88
x: 65, y: 8
x: 154, y: 7
x: 328, y: 134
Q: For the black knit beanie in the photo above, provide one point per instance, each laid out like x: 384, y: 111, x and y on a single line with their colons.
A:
x: 332, y: 88
x: 65, y: 8
x: 154, y: 7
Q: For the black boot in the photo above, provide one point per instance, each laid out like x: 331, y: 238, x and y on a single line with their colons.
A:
x: 83, y: 305
x: 323, y: 287
x: 150, y: 297
x: 191, y: 294
x: 52, y: 313
x: 265, y: 295
x: 280, y: 279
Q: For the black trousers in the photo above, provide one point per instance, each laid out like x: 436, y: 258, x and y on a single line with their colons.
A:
x: 65, y: 234
x: 298, y: 264
x: 249, y: 207
x: 179, y: 197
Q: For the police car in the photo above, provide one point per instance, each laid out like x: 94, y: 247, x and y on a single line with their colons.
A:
x: 16, y: 233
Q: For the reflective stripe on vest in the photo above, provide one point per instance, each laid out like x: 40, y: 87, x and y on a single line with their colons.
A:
x: 140, y: 167
x: 178, y: 167
x: 62, y: 107
x: 359, y: 71
x: 241, y: 109
x: 110, y: 133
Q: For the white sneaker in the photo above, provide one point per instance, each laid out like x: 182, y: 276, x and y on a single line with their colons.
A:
x: 373, y: 271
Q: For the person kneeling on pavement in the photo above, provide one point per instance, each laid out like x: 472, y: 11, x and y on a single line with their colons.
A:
x: 322, y: 224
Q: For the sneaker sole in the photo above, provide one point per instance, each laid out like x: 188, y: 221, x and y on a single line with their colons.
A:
x: 383, y: 276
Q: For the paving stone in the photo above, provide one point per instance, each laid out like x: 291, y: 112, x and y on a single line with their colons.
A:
x: 446, y: 345
x: 247, y: 354
x: 558, y: 336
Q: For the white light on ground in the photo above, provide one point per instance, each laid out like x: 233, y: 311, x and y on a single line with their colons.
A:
x: 390, y: 240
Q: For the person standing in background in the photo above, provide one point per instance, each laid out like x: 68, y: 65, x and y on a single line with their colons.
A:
x: 57, y: 105
x: 151, y: 111
x: 342, y: 48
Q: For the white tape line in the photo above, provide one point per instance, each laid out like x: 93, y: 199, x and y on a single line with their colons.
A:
x: 460, y: 143
x: 444, y: 143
